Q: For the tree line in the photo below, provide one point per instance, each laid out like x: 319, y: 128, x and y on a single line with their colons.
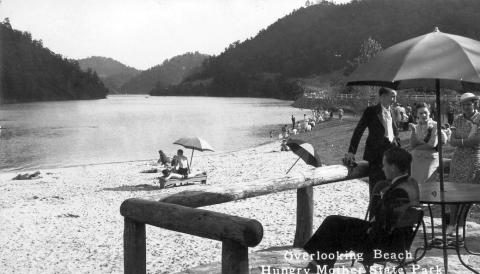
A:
x: 320, y: 39
x: 31, y: 72
x: 171, y: 72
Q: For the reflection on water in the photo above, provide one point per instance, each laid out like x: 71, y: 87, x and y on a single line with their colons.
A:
x: 123, y: 128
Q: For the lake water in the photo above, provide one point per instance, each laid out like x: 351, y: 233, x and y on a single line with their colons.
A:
x: 128, y: 128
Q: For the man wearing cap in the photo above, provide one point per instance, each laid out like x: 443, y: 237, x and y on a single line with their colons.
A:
x: 382, y: 135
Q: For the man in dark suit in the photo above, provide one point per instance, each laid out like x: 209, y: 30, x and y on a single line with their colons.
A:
x: 382, y: 135
x: 387, y: 229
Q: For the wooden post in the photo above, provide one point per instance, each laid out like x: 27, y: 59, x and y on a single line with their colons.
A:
x: 234, y: 258
x: 134, y: 259
x: 304, y: 216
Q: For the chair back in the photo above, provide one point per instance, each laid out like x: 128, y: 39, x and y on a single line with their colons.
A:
x: 412, y: 217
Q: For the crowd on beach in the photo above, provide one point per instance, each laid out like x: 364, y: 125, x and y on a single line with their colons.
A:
x: 405, y: 115
x: 395, y: 174
x: 308, y: 123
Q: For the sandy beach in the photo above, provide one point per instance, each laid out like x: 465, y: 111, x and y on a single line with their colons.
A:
x: 68, y: 221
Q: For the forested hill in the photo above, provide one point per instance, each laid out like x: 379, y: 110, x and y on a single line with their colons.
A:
x: 322, y: 38
x: 170, y: 72
x: 113, y: 73
x: 31, y: 72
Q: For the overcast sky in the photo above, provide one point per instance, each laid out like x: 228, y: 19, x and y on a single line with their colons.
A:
x: 143, y: 33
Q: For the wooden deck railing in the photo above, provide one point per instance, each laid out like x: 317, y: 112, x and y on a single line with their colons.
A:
x: 177, y: 212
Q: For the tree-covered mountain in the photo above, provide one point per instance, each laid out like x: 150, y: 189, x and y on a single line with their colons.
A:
x: 321, y: 39
x: 112, y: 73
x: 170, y: 72
x: 31, y: 72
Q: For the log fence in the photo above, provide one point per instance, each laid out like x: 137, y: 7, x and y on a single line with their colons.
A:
x: 236, y: 233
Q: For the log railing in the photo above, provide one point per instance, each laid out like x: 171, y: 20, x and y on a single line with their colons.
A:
x: 178, y: 212
x: 236, y: 233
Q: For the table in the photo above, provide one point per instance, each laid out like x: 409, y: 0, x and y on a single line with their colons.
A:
x: 464, y: 195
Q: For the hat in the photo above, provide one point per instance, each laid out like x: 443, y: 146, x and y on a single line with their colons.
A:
x: 468, y: 96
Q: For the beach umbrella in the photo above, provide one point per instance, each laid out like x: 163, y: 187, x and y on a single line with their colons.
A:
x: 305, y: 151
x: 194, y: 143
x: 433, y: 60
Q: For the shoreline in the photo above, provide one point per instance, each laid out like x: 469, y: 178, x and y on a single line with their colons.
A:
x: 28, y: 170
x: 55, y: 141
x: 254, y: 133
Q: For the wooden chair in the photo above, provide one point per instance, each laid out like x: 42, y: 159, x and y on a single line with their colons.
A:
x: 412, y: 218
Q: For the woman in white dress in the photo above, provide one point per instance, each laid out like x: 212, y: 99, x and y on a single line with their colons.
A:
x: 423, y: 142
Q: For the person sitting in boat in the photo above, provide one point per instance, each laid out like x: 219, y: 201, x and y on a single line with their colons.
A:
x: 181, y: 166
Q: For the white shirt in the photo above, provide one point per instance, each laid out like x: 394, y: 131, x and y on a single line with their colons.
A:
x: 182, y: 161
x: 387, y: 123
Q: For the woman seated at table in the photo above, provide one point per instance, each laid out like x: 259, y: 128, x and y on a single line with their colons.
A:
x: 424, y: 142
x: 465, y: 164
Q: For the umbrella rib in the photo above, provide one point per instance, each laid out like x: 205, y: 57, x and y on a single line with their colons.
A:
x: 466, y: 55
x: 409, y: 52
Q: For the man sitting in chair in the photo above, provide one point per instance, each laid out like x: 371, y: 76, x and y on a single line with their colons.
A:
x: 383, y: 233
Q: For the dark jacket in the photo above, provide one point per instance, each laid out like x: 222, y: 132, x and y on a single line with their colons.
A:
x: 376, y: 143
x: 388, y: 204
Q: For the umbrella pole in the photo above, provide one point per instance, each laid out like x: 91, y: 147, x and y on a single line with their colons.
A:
x: 191, y: 159
x: 293, y: 165
x: 440, y: 165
